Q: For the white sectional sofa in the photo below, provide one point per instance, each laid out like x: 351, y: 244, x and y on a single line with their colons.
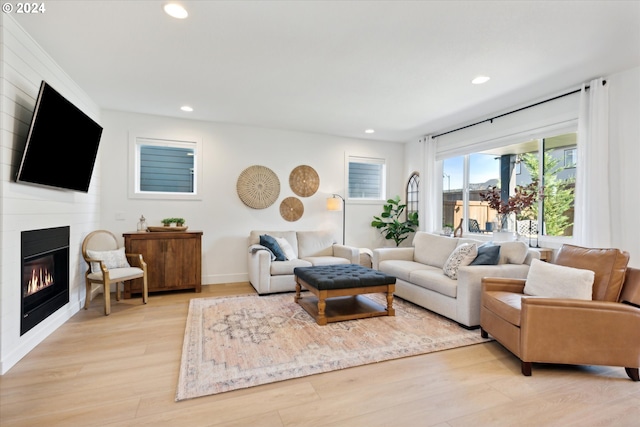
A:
x: 420, y: 276
x: 309, y: 248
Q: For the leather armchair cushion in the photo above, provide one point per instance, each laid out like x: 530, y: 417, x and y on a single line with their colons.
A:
x: 631, y: 290
x: 505, y: 305
x: 609, y: 266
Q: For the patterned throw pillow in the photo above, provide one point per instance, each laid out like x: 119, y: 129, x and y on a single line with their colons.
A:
x: 460, y: 257
x: 111, y: 259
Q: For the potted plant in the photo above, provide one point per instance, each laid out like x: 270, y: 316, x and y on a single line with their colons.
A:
x: 390, y: 224
x: 177, y: 221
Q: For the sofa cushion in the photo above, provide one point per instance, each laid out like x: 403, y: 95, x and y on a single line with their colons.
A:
x: 315, y: 243
x: 488, y: 254
x: 431, y: 249
x: 609, y: 266
x: 512, y: 252
x: 463, y: 240
x: 461, y: 256
x: 433, y: 279
x: 286, y: 248
x: 281, y: 268
x: 326, y: 260
x: 402, y: 268
x: 271, y: 243
x: 557, y: 281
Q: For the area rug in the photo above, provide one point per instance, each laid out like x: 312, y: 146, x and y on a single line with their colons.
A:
x: 238, y: 342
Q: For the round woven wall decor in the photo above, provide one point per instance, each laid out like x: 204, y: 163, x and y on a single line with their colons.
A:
x: 304, y: 181
x: 258, y: 187
x: 291, y: 209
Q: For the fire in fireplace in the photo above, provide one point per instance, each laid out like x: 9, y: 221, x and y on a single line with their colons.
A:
x: 45, y: 274
x: 40, y: 274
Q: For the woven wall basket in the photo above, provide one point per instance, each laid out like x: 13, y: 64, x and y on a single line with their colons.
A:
x: 291, y: 209
x: 304, y: 181
x: 258, y: 187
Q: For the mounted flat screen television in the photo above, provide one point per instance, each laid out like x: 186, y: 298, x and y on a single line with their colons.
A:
x: 62, y: 144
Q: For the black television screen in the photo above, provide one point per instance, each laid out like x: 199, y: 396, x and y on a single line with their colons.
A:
x: 62, y: 144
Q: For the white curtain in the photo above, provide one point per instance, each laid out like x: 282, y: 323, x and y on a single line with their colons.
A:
x: 592, y: 221
x: 432, y: 187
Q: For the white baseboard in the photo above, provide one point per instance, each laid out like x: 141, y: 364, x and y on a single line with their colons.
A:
x: 214, y: 279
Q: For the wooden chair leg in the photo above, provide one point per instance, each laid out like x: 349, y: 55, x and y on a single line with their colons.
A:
x: 526, y: 369
x: 145, y: 290
x: 107, y: 299
x: 87, y: 299
x: 118, y: 291
x: 633, y: 373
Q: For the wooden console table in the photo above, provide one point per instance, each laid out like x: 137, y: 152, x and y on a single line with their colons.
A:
x: 174, y: 260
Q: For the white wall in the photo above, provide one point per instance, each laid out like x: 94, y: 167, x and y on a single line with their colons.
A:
x: 220, y: 214
x: 24, y: 65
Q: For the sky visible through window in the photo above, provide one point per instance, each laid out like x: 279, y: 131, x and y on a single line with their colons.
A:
x: 483, y: 169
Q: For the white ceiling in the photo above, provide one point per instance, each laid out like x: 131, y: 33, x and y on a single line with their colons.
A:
x: 402, y: 68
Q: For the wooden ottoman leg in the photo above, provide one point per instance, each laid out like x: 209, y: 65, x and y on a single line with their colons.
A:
x: 390, y: 310
x: 322, y: 305
x: 298, y: 289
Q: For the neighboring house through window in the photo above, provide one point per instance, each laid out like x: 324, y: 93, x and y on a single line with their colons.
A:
x: 164, y: 168
x: 367, y: 178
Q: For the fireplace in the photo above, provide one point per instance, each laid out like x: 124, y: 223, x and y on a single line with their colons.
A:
x: 45, y: 274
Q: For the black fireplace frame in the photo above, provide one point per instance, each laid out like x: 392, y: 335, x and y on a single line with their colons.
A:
x: 36, y: 243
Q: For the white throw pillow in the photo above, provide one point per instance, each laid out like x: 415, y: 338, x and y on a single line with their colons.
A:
x: 286, y: 248
x: 558, y: 281
x: 461, y: 256
x: 111, y: 259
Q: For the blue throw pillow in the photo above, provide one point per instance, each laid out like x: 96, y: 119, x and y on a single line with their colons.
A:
x: 488, y: 254
x: 269, y: 242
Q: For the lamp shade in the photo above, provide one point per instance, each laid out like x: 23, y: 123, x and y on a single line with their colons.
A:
x: 334, y: 204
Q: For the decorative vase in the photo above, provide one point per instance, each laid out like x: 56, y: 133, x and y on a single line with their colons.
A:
x: 458, y: 231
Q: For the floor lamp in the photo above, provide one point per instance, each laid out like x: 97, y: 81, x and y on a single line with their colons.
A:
x: 333, y: 204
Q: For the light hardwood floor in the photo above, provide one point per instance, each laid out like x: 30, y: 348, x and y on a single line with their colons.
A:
x: 122, y: 370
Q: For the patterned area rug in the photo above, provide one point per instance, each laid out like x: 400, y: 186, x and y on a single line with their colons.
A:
x: 239, y: 342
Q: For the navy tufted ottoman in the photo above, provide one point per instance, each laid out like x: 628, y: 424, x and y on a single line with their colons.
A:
x: 336, y: 289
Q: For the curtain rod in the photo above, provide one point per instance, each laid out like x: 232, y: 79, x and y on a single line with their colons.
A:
x: 604, y: 82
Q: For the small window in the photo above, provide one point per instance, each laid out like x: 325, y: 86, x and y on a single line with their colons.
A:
x: 570, y: 158
x: 165, y: 169
x: 413, y: 186
x: 367, y: 178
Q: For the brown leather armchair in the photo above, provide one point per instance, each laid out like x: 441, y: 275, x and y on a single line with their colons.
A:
x: 603, y: 331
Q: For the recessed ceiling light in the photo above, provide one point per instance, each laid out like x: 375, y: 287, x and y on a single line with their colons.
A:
x: 369, y: 131
x: 480, y: 79
x: 186, y: 108
x: 175, y: 10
